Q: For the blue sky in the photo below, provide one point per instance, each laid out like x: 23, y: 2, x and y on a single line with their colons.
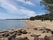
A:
x: 20, y: 8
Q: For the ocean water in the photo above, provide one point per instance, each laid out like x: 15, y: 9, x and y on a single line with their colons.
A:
x: 11, y: 24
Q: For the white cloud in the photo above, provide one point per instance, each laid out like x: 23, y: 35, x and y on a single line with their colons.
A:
x: 16, y: 9
x: 27, y: 2
x: 27, y: 12
x: 42, y: 13
x: 4, y: 16
x: 8, y: 6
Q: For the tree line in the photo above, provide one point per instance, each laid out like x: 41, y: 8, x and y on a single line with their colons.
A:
x: 48, y: 6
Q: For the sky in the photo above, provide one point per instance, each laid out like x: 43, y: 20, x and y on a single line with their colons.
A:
x: 20, y: 8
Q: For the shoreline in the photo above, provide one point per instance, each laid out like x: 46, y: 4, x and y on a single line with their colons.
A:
x: 33, y: 28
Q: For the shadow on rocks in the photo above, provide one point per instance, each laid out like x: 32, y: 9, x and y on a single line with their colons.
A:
x: 22, y: 31
x: 35, y: 36
x: 22, y: 38
x: 46, y: 38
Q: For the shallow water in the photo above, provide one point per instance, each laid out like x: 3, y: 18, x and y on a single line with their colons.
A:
x: 11, y: 24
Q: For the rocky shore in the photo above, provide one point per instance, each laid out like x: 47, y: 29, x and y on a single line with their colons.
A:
x: 35, y: 30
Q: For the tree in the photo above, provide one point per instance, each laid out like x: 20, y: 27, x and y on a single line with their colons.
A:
x: 48, y: 5
x: 32, y: 18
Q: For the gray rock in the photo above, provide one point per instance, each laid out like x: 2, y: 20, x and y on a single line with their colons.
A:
x: 22, y: 31
x: 5, y: 35
x: 18, y: 34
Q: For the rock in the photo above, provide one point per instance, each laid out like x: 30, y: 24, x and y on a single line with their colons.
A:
x: 6, y: 35
x: 41, y: 38
x: 44, y: 32
x: 35, y: 28
x: 34, y: 35
x: 41, y: 29
x: 22, y: 38
x: 51, y: 37
x: 3, y: 38
x: 29, y: 32
x: 48, y: 30
x: 46, y: 38
x: 11, y: 32
x: 51, y: 32
x: 22, y: 31
x: 4, y: 32
x: 18, y: 34
x: 36, y: 38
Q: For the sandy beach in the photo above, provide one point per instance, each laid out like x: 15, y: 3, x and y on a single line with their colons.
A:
x: 39, y: 23
x: 36, y: 29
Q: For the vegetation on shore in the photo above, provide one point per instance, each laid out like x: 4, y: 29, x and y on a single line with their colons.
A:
x: 43, y: 17
x: 49, y: 7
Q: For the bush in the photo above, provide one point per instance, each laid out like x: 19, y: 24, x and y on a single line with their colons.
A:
x: 32, y: 18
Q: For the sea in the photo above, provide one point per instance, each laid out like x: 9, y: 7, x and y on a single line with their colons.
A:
x: 11, y: 24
